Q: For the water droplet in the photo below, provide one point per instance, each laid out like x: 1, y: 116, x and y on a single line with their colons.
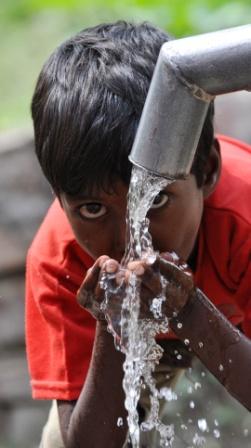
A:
x: 156, y: 307
x: 168, y: 394
x: 203, y: 374
x: 216, y: 422
x: 202, y: 424
x: 221, y: 368
x: 197, y: 385
x: 192, y: 404
x: 216, y: 433
x: 190, y: 390
x: 183, y: 426
x: 67, y: 276
x: 245, y: 432
x: 179, y: 356
x: 200, y: 344
x: 186, y: 341
x: 179, y: 325
x: 120, y: 421
x: 198, y: 440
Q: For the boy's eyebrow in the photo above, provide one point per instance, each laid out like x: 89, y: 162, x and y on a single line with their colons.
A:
x: 83, y: 196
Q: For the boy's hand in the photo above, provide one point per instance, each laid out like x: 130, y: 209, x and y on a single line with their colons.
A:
x: 178, y: 285
x: 177, y: 282
x: 177, y: 278
x: 91, y: 294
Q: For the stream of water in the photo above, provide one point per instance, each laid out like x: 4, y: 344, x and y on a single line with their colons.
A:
x: 137, y: 335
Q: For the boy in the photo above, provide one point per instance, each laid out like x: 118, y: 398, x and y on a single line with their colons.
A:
x: 86, y: 109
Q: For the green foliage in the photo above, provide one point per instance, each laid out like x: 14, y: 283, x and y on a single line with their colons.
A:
x: 30, y: 30
x: 182, y: 17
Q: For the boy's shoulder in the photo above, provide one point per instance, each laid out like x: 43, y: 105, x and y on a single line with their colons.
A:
x: 233, y: 192
x: 225, y: 237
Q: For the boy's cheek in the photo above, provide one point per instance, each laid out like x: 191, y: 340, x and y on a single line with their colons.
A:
x: 87, y: 237
x: 93, y: 252
x: 94, y: 247
x: 178, y: 236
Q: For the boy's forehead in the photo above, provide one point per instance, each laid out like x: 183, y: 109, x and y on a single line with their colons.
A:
x: 117, y: 188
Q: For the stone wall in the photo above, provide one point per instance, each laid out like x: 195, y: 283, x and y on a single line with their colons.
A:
x: 24, y: 198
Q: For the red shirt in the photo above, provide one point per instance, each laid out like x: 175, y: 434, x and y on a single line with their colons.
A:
x: 60, y: 334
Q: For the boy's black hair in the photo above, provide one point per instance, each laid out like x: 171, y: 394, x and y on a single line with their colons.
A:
x: 87, y: 105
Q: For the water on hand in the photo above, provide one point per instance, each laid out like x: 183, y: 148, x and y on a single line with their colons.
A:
x: 137, y: 334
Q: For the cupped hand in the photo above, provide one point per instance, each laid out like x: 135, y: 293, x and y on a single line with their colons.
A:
x: 165, y: 274
x: 91, y: 294
x: 179, y: 282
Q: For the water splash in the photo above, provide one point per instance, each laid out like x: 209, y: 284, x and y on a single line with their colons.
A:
x: 120, y: 422
x: 202, y: 425
x: 199, y: 440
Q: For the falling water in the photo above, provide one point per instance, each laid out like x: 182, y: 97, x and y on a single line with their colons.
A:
x: 136, y: 334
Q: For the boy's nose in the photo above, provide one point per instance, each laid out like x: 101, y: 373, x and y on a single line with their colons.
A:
x: 118, y: 240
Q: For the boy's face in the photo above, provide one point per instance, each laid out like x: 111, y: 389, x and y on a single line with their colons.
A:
x: 98, y: 221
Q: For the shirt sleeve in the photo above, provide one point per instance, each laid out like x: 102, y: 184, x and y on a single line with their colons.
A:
x: 240, y: 271
x: 59, y: 333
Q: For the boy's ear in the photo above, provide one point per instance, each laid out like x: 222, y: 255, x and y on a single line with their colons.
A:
x: 212, y: 170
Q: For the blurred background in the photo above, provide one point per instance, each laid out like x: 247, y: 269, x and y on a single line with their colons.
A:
x: 29, y: 31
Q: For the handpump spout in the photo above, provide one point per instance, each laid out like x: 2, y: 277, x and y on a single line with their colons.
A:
x: 189, y: 73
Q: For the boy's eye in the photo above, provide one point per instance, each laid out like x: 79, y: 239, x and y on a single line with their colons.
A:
x: 160, y: 200
x: 92, y: 210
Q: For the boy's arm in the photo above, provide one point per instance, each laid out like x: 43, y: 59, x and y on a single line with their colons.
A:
x: 224, y: 350
x: 91, y: 422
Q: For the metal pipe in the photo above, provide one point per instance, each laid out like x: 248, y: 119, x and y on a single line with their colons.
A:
x: 188, y: 74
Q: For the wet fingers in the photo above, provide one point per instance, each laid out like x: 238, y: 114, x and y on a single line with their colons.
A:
x: 180, y: 274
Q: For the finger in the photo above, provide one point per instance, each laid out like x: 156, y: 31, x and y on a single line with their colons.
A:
x: 87, y: 289
x: 173, y: 258
x: 120, y: 277
x: 175, y: 274
x: 111, y: 275
x: 151, y: 281
x: 110, y: 266
x: 137, y: 267
x: 92, y: 275
x: 169, y: 266
x: 170, y: 256
x: 87, y: 300
x: 147, y: 270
